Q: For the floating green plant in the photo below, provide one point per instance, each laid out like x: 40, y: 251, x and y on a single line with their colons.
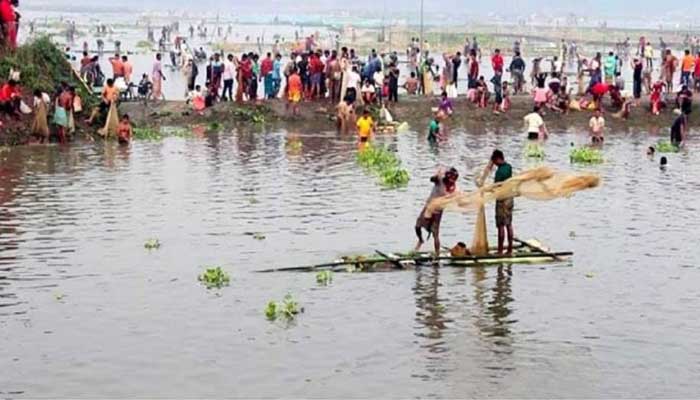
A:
x: 664, y: 146
x: 255, y: 115
x: 288, y: 309
x: 324, y: 277
x: 214, y: 277
x: 586, y: 155
x: 295, y: 145
x: 385, y: 165
x: 271, y: 311
x: 394, y: 178
x: 147, y: 133
x: 152, y: 244
x: 533, y: 150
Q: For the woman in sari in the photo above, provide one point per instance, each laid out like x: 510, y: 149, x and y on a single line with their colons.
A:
x: 428, y: 77
x: 158, y: 78
x: 40, y: 127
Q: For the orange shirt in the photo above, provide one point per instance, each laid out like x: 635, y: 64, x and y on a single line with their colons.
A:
x: 294, y: 84
x: 117, y: 66
x: 109, y: 94
x: 688, y: 63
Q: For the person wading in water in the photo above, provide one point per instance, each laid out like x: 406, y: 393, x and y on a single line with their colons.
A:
x: 444, y: 183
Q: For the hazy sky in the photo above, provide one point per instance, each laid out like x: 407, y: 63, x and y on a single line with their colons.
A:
x: 595, y: 8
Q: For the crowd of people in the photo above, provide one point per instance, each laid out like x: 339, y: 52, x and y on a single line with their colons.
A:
x: 345, y: 80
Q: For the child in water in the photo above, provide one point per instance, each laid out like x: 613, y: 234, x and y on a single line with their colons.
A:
x: 434, y: 130
x: 124, y: 132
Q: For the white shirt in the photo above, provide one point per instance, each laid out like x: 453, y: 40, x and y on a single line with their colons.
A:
x: 534, y: 121
x: 229, y: 69
x: 597, y: 124
x: 353, y: 79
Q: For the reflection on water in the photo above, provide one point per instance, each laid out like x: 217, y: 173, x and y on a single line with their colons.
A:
x: 84, y: 305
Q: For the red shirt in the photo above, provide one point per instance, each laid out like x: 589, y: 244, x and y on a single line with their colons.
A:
x: 315, y: 65
x: 7, y: 92
x: 245, y: 69
x: 474, y: 69
x: 697, y: 66
x: 266, y: 67
x: 599, y: 89
x: 497, y: 62
x: 7, y: 13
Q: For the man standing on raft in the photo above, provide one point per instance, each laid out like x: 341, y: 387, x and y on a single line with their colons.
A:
x: 504, y: 208
x: 444, y: 183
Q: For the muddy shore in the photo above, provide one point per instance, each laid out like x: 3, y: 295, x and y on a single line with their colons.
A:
x: 414, y: 110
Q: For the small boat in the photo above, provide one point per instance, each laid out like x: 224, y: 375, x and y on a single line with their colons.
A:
x: 526, y: 252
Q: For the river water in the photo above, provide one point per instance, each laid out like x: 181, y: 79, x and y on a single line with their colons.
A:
x: 86, y: 311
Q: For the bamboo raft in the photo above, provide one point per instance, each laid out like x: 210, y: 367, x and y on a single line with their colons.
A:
x: 526, y: 252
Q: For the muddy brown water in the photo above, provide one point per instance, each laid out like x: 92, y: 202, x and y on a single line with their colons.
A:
x: 86, y: 311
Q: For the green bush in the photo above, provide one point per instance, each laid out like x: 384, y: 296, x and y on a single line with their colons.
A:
x: 42, y: 66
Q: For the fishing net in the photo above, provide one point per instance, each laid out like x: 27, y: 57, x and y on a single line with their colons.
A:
x: 541, y: 183
x: 112, y: 122
x: 40, y: 126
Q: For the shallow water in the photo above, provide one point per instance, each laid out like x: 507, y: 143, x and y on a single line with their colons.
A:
x: 86, y: 311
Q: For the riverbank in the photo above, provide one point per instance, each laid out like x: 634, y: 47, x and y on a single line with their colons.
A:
x: 416, y: 111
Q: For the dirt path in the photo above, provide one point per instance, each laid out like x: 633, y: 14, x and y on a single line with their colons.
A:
x: 414, y: 110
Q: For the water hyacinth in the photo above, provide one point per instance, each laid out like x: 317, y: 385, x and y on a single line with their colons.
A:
x: 214, y: 126
x: 324, y: 277
x: 214, y: 277
x: 147, y: 133
x: 152, y: 244
x: 664, y: 146
x: 255, y: 115
x: 585, y: 155
x: 533, y: 150
x: 288, y: 309
x: 385, y: 165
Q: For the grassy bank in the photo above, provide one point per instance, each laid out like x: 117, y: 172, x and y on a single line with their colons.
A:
x: 42, y: 66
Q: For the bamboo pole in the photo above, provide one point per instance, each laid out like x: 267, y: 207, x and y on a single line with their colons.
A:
x: 422, y: 259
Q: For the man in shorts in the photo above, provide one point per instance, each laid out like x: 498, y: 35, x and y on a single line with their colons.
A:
x: 504, y: 208
x: 445, y: 182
